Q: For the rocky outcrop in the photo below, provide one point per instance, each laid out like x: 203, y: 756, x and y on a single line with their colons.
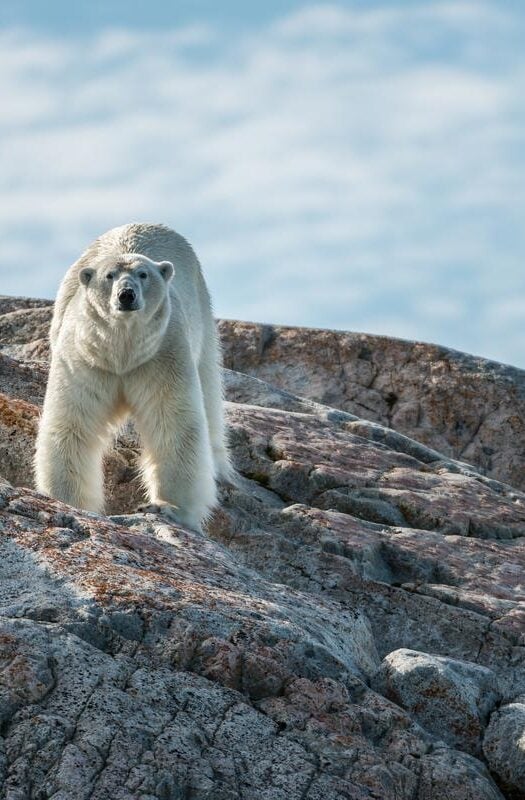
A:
x: 353, y: 625
x: 464, y: 407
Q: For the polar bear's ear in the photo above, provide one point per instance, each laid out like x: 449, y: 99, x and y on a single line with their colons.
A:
x: 85, y: 275
x: 167, y: 270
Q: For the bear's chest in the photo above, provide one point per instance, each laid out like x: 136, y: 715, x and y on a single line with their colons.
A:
x: 118, y: 348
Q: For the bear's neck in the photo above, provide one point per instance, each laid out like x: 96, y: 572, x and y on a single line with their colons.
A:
x: 121, y: 344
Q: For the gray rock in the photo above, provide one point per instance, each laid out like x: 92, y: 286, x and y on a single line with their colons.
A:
x: 447, y: 775
x: 452, y: 699
x: 504, y: 748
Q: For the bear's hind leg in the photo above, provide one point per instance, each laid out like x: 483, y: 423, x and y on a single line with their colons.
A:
x: 212, y: 394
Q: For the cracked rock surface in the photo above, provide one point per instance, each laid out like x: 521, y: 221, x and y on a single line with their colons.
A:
x: 352, y: 626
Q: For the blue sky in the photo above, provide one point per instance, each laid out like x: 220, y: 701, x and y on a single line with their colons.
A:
x: 350, y: 165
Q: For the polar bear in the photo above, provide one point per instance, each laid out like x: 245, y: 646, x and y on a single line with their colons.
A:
x: 133, y: 334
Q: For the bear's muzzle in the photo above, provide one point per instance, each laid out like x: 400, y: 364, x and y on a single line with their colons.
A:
x: 127, y: 300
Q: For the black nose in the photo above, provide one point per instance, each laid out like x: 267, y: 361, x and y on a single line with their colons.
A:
x: 126, y: 299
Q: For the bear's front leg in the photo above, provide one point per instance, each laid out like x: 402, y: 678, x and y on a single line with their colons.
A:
x: 72, y: 434
x: 177, y: 462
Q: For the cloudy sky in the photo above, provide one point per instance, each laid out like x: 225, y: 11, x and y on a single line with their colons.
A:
x: 356, y: 165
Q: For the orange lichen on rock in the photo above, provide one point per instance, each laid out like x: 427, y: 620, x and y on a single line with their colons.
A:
x: 18, y: 414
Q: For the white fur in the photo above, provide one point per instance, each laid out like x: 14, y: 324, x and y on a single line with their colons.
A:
x: 160, y: 363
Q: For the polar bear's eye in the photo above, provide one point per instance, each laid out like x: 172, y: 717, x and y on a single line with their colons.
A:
x: 143, y: 275
x: 109, y: 276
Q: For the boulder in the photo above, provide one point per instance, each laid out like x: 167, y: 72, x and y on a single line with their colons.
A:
x: 504, y: 747
x: 450, y: 698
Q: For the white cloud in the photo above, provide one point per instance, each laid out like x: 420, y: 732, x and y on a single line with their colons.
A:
x: 341, y: 167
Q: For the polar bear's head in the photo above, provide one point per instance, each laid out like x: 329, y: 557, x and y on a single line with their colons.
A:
x: 124, y: 284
